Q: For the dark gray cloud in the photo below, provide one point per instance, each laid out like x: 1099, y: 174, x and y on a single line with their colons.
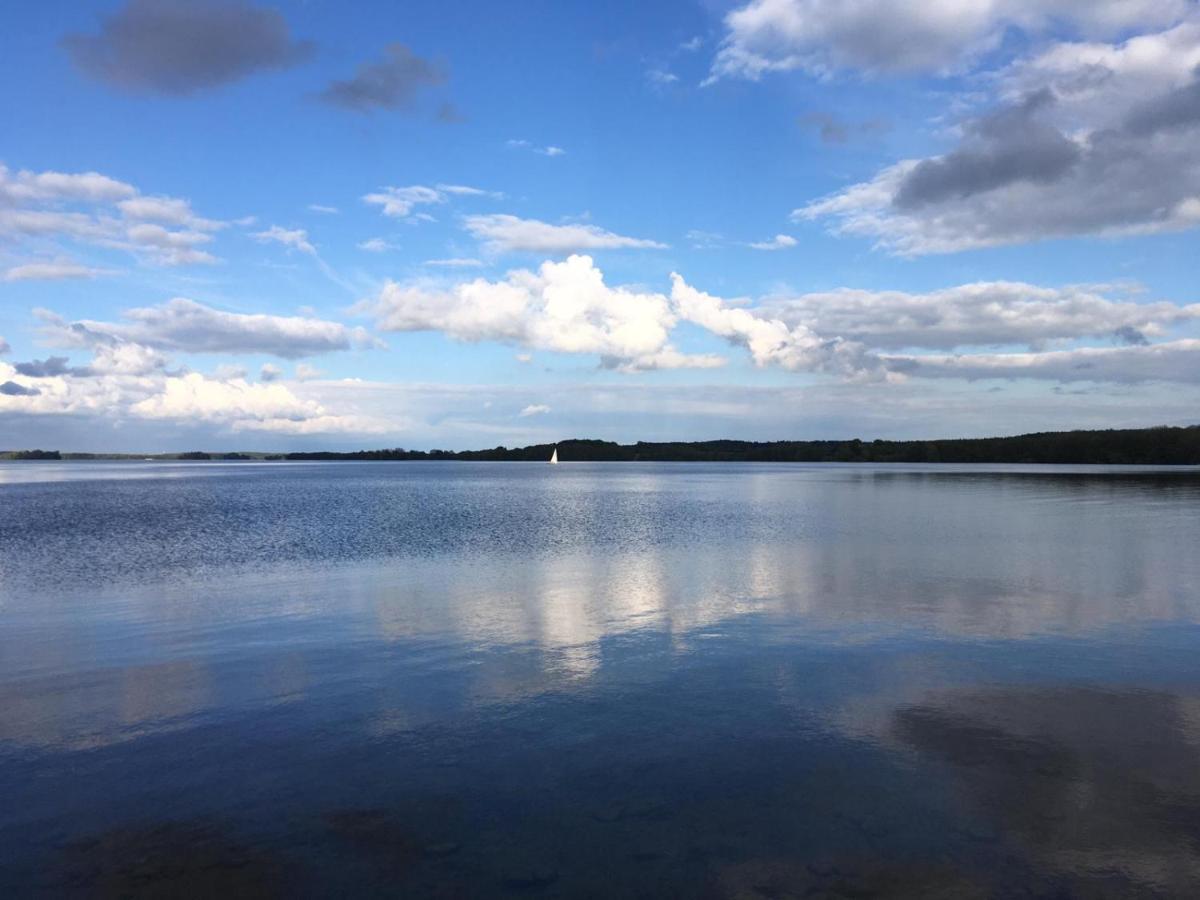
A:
x: 1179, y: 108
x: 182, y: 46
x: 45, y: 368
x: 391, y: 84
x: 1008, y: 146
x: 1111, y: 154
x: 12, y: 389
x: 834, y: 130
x: 1132, y: 336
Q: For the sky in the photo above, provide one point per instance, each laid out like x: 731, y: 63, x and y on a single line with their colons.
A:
x: 232, y: 224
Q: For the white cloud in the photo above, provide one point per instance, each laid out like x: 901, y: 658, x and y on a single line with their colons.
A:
x: 294, y: 239
x: 400, y: 202
x: 229, y: 372
x: 324, y: 210
x: 187, y: 326
x: 244, y: 406
x: 661, y: 78
x: 269, y: 372
x: 548, y: 150
x: 1170, y: 361
x: 504, y: 233
x: 168, y: 210
x: 564, y: 307
x: 779, y: 242
x: 375, y: 245
x: 981, y: 314
x: 771, y: 341
x: 667, y: 358
x: 93, y: 209
x: 5, y: 347
x: 853, y: 335
x: 534, y: 409
x: 906, y: 36
x: 456, y: 262
x: 173, y: 248
x: 306, y: 372
x: 51, y: 271
x: 25, y: 187
x: 228, y: 402
x: 463, y: 190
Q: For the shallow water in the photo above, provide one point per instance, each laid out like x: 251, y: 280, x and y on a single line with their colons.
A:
x: 471, y: 679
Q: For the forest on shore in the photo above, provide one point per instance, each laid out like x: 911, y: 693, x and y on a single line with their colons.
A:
x: 1134, y: 446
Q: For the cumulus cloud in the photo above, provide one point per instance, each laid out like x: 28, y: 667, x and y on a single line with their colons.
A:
x: 907, y: 36
x: 168, y: 210
x: 980, y: 314
x: 534, y: 409
x: 853, y: 335
x: 25, y: 187
x: 779, y: 242
x: 92, y: 209
x: 392, y: 83
x: 564, y: 306
x: 227, y: 403
x: 505, y: 233
x: 269, y: 372
x: 5, y: 347
x: 180, y: 47
x: 186, y: 326
x: 174, y: 248
x: 772, y: 341
x: 1087, y: 139
x: 244, y: 406
x: 324, y: 210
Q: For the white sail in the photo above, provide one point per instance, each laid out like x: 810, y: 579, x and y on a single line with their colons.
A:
x: 554, y: 457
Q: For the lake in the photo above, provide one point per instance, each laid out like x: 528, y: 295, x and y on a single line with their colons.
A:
x: 633, y: 680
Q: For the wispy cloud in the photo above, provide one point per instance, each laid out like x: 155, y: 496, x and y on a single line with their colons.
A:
x: 546, y: 150
x: 506, y: 233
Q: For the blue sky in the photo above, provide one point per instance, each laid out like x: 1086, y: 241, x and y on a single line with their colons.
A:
x: 227, y: 224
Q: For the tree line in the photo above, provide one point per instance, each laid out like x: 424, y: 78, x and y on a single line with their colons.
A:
x: 1133, y: 446
x: 1141, y: 446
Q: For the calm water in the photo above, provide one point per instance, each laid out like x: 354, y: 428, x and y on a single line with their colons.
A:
x: 472, y: 679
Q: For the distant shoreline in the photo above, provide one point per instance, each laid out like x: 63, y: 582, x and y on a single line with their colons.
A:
x: 1137, y: 446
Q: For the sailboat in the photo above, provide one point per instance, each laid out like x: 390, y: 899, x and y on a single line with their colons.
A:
x: 554, y: 457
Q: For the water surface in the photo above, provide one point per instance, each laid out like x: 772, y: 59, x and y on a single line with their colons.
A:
x: 474, y: 679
